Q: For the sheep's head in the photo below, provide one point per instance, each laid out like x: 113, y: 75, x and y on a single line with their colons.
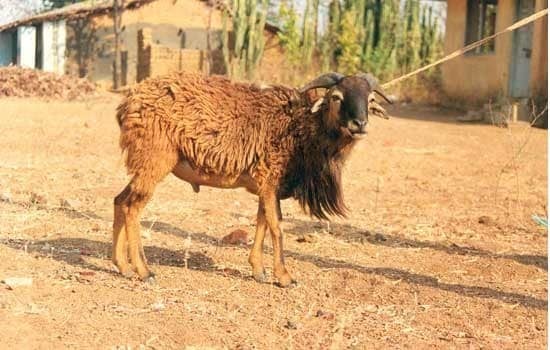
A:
x: 348, y: 99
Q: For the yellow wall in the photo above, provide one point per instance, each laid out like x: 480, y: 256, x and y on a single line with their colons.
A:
x: 539, y: 62
x: 166, y: 19
x: 272, y: 64
x: 477, y: 78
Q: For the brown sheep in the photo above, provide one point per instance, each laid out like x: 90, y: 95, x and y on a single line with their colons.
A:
x: 214, y: 132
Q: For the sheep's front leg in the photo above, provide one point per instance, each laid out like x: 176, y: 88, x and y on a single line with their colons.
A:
x: 256, y: 254
x: 272, y: 217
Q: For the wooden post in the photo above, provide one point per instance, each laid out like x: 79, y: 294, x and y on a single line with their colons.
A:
x: 118, y: 8
x: 208, y: 54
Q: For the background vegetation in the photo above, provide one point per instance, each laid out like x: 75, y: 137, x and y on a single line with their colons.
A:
x: 387, y: 38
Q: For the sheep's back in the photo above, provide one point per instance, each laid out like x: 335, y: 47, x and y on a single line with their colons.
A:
x: 218, y: 126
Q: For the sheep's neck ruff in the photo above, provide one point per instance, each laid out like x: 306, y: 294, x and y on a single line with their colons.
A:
x: 316, y: 169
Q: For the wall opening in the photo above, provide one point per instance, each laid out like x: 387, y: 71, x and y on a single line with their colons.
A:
x: 39, y: 53
x: 481, y: 20
x: 14, y: 47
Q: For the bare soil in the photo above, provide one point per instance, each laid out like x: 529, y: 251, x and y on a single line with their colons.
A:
x: 439, y: 250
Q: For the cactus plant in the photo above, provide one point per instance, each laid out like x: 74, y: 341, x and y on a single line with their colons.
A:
x: 387, y: 38
x: 248, y: 21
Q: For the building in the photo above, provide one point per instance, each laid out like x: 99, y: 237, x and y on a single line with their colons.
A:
x: 158, y: 36
x: 513, y: 66
x: 41, y: 46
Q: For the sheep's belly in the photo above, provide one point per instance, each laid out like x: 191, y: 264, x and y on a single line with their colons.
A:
x: 185, y: 172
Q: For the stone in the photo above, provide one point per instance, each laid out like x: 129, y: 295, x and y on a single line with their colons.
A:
x: 236, y: 237
x: 14, y: 282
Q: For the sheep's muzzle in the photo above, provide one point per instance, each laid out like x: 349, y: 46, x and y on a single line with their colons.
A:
x: 357, y: 127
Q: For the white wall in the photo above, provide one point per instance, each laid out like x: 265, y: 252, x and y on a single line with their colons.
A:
x: 60, y: 47
x: 54, y: 37
x: 26, y: 46
x: 48, y: 47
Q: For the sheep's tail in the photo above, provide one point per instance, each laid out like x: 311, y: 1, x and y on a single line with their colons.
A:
x: 132, y: 130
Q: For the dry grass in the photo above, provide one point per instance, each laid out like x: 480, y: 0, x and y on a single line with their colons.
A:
x: 412, y: 267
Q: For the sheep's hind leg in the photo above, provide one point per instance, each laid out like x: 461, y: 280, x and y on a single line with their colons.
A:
x: 141, y: 190
x: 256, y: 254
x: 138, y: 198
x: 120, y: 239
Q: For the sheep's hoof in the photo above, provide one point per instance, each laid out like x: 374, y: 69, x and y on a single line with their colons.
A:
x: 151, y: 280
x: 292, y: 284
x: 287, y: 282
x: 124, y: 270
x: 259, y: 277
x: 129, y: 274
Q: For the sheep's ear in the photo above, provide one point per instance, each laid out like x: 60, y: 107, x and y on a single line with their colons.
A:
x: 325, y: 81
x: 375, y: 109
x: 317, y: 105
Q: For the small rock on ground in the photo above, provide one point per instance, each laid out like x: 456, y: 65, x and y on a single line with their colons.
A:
x: 237, y: 237
x: 485, y: 220
x: 69, y: 203
x: 14, y: 282
x: 307, y: 238
x: 5, y: 196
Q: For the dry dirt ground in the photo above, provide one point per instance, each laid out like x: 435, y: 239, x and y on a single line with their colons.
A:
x: 439, y: 250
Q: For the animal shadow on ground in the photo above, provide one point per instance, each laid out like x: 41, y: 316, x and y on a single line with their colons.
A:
x: 75, y: 251
x: 353, y: 234
x: 387, y: 272
x: 72, y: 250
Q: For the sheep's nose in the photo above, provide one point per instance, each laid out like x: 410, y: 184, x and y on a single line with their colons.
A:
x: 360, y: 123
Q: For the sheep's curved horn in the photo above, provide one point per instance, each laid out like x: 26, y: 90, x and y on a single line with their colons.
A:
x: 326, y: 80
x: 373, y: 82
x: 371, y: 79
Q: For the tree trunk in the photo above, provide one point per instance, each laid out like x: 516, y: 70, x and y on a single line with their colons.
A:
x: 208, y: 59
x: 377, y: 19
x: 118, y: 7
x: 315, y: 21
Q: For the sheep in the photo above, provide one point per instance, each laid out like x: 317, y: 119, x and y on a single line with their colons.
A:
x: 210, y: 131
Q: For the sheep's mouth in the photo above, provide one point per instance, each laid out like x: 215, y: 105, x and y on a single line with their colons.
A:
x: 358, y: 134
x: 353, y: 131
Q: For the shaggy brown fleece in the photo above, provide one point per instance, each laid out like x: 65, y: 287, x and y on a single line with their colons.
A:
x: 226, y: 128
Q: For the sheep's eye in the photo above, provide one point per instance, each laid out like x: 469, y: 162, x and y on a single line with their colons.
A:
x: 336, y: 98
